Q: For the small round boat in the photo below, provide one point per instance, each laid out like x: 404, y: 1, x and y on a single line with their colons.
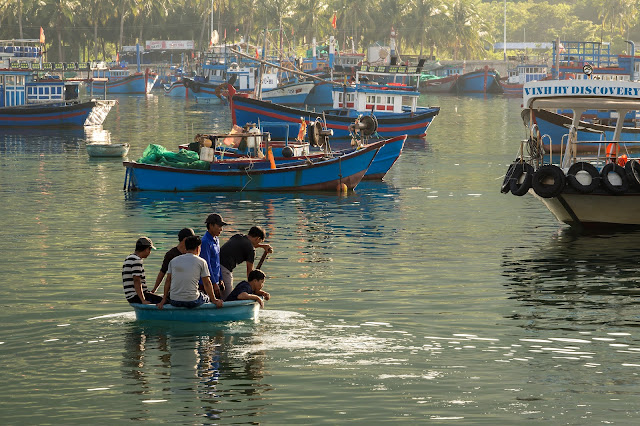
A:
x: 236, y: 310
x: 107, y: 149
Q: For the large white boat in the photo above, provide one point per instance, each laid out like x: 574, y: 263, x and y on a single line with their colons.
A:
x: 583, y: 189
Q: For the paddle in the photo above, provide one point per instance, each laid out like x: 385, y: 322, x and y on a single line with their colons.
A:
x: 262, y: 259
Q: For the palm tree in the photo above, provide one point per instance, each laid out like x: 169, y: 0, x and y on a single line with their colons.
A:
x: 61, y: 13
x: 618, y: 13
x: 466, y: 29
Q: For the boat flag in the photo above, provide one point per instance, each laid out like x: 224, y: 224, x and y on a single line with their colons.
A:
x: 333, y: 21
x: 41, y: 36
x: 257, y: 55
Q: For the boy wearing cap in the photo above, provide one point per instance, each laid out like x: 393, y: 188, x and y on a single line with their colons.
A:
x: 210, y: 250
x: 181, y: 285
x: 133, y: 278
x: 174, y: 252
x: 240, y: 248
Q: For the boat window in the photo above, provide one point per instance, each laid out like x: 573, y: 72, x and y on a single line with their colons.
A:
x: 40, y: 90
x: 11, y: 80
x: 389, y: 100
x: 20, y: 79
x: 1, y: 79
x: 378, y: 99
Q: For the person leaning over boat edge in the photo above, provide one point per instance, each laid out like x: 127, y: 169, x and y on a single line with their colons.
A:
x: 210, y: 251
x: 250, y: 289
x: 133, y: 278
x: 240, y: 248
x: 171, y: 254
x: 183, y: 275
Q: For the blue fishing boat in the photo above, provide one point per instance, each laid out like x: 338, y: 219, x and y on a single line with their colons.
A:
x: 323, y: 175
x: 294, y: 93
x: 121, y: 81
x: 26, y: 100
x: 237, y: 310
x: 384, y: 102
x: 485, y: 80
x: 176, y: 89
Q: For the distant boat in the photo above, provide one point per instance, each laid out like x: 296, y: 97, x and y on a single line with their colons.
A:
x: 521, y: 74
x: 107, y: 149
x: 119, y: 81
x: 27, y: 101
x: 294, y: 93
x: 176, y: 89
x: 480, y: 81
x: 237, y: 310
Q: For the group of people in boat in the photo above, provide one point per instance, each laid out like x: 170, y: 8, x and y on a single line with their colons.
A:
x: 198, y: 270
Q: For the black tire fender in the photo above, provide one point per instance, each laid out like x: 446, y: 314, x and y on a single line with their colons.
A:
x: 548, y: 181
x: 632, y: 168
x: 521, y: 179
x: 606, y: 180
x: 579, y: 186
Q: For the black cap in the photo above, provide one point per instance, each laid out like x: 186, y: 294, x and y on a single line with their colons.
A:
x: 184, y: 233
x: 215, y: 219
x: 145, y: 242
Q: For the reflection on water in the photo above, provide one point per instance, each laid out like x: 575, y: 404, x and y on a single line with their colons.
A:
x: 193, y: 365
x: 571, y: 281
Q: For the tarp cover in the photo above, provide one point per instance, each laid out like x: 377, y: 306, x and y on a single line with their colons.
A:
x: 184, y: 159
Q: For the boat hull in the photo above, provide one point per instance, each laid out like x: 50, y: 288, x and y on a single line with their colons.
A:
x: 176, y: 90
x: 291, y: 94
x: 440, y: 85
x: 239, y: 310
x: 246, y: 110
x: 324, y: 175
x: 137, y: 84
x: 90, y: 113
x: 107, y: 150
x: 320, y: 96
x: 596, y: 209
x: 481, y: 81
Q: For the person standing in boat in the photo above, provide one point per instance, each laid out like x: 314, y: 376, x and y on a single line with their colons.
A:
x: 183, y: 275
x: 240, y: 248
x: 210, y: 251
x: 171, y: 254
x: 133, y: 278
x: 250, y: 289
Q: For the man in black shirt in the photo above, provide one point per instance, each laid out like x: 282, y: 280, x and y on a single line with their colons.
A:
x: 174, y: 252
x: 240, y: 248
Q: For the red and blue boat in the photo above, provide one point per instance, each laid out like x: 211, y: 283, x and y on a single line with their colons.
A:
x: 28, y: 101
x: 385, y: 102
x: 121, y: 81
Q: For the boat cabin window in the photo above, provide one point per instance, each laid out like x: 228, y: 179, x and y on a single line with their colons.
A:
x: 11, y: 80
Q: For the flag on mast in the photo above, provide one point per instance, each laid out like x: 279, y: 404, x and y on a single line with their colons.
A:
x: 41, y: 36
x: 333, y: 21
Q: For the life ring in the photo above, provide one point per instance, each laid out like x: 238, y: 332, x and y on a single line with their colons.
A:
x: 521, y: 179
x: 633, y: 173
x: 615, y: 188
x: 583, y: 177
x: 548, y: 181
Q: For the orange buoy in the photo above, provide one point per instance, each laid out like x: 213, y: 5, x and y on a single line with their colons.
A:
x: 272, y: 161
x: 622, y: 160
x: 342, y: 187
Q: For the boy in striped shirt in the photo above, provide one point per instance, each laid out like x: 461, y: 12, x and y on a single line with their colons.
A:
x: 133, y: 279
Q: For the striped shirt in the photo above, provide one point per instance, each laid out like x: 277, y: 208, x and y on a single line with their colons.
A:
x: 132, y: 267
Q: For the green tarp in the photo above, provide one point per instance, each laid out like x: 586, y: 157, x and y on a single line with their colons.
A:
x: 184, y: 159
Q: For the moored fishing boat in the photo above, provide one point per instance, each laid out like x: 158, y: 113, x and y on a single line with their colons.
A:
x: 121, y: 81
x: 485, y: 80
x: 516, y: 78
x: 176, y: 89
x: 326, y: 174
x: 237, y: 310
x: 384, y: 102
x: 582, y: 189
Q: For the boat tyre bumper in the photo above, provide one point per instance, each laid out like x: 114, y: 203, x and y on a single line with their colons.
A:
x: 548, y: 181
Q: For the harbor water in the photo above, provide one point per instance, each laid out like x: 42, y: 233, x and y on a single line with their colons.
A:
x: 429, y: 297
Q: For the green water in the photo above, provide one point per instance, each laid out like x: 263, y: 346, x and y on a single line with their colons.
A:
x: 427, y: 298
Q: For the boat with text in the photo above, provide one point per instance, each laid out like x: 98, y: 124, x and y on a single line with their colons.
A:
x: 583, y: 188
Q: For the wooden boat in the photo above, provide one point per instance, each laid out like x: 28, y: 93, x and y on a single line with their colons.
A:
x: 516, y: 78
x: 594, y: 189
x: 323, y: 175
x: 119, y: 81
x: 384, y: 102
x: 237, y: 310
x: 485, y: 80
x: 176, y: 89
x: 107, y: 149
x: 27, y: 100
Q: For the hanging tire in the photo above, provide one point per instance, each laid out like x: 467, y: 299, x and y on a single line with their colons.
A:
x: 632, y: 168
x: 583, y: 177
x: 506, y: 183
x: 614, y: 179
x: 195, y: 87
x: 521, y: 179
x: 548, y: 181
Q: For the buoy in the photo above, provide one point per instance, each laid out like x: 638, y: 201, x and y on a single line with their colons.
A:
x: 271, y: 159
x: 342, y: 187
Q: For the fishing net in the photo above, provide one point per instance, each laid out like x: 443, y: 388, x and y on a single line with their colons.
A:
x: 184, y: 159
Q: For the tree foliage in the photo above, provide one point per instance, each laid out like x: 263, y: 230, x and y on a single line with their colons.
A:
x: 448, y: 29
